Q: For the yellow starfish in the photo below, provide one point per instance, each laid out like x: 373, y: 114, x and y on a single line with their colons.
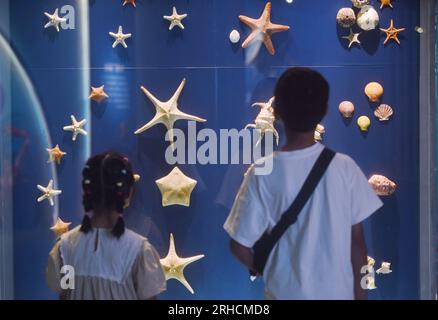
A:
x: 60, y: 227
x: 392, y: 33
x: 55, y: 154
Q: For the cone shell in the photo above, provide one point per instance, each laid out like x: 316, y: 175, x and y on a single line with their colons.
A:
x: 382, y: 185
x: 364, y: 123
x: 346, y: 17
x: 374, y: 91
x: 347, y: 109
x: 384, y: 112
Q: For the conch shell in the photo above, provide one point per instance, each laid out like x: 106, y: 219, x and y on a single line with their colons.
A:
x: 347, y: 109
x: 374, y: 91
x: 382, y: 185
x: 384, y: 112
x: 364, y: 123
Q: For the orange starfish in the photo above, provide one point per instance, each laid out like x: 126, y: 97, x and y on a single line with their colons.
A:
x: 262, y: 28
x: 130, y: 1
x: 392, y: 33
x: 386, y: 3
x: 55, y: 154
x: 98, y: 94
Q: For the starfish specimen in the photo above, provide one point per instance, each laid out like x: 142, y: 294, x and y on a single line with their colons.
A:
x: 167, y: 113
x: 76, y: 127
x: 265, y: 120
x: 392, y: 33
x: 98, y: 94
x: 176, y: 188
x: 55, y: 154
x: 386, y: 3
x: 262, y: 29
x: 120, y: 37
x: 54, y: 20
x: 175, y: 19
x: 173, y: 266
x: 60, y: 227
x: 352, y: 38
x: 130, y: 2
x: 48, y: 193
x: 385, y: 269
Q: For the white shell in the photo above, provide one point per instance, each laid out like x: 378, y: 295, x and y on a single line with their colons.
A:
x: 382, y: 185
x: 346, y: 17
x: 360, y: 3
x: 368, y: 18
x: 234, y: 36
x: 347, y: 109
x: 383, y: 112
x: 320, y: 128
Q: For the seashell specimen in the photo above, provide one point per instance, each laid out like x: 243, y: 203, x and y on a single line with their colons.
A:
x: 384, y: 112
x: 385, y: 268
x: 346, y: 17
x: 319, y: 131
x: 368, y: 18
x: 234, y: 36
x: 382, y: 185
x: 360, y: 3
x: 346, y: 108
x: 374, y: 91
x: 364, y: 123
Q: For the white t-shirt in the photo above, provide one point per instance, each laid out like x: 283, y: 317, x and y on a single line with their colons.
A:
x: 313, y: 258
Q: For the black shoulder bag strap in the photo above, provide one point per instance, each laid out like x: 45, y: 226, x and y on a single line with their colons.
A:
x: 264, y: 246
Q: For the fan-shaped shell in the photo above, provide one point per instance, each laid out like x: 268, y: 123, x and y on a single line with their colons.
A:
x: 382, y: 185
x: 346, y: 108
x: 364, y: 123
x: 374, y: 91
x: 384, y: 112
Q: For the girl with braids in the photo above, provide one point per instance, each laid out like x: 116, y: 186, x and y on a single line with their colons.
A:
x: 109, y: 260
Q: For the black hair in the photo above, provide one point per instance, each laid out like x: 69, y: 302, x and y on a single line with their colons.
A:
x: 301, y: 99
x: 107, y: 182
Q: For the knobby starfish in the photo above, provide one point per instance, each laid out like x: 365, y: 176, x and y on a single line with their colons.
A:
x: 262, y: 29
x: 176, y: 188
x: 175, y: 19
x: 54, y: 20
x: 98, y: 94
x: 60, y: 227
x: 120, y: 37
x: 392, y: 33
x: 76, y: 127
x: 352, y: 38
x: 167, y: 113
x: 48, y: 193
x: 173, y: 266
x: 55, y: 154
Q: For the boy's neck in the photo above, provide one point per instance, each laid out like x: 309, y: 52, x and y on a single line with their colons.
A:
x: 104, y: 218
x: 298, y: 140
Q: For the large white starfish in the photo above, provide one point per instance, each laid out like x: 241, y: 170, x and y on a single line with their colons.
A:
x: 173, y: 266
x: 167, y: 113
x: 48, y: 193
x: 120, y: 37
x: 265, y: 120
x: 175, y: 19
x: 176, y: 188
x: 76, y: 127
x: 54, y: 20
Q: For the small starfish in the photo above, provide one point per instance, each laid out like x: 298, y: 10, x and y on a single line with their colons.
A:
x: 352, y: 38
x: 60, y: 227
x: 392, y: 33
x: 98, y: 94
x: 385, y: 269
x: 173, y: 266
x: 175, y: 19
x: 120, y: 37
x: 76, y: 127
x: 176, y: 188
x: 55, y: 154
x: 167, y: 113
x: 130, y: 2
x: 386, y: 3
x: 262, y: 29
x: 48, y: 193
x: 54, y: 20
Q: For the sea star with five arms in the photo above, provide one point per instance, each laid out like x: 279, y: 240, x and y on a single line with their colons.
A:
x: 60, y: 227
x: 352, y: 38
x: 54, y: 20
x: 130, y: 2
x: 167, y: 113
x: 176, y: 188
x: 76, y: 127
x: 120, y: 37
x: 262, y: 29
x: 173, y: 266
x: 48, y: 193
x: 392, y: 33
x: 98, y: 94
x: 175, y: 19
x: 55, y: 154
x: 386, y: 3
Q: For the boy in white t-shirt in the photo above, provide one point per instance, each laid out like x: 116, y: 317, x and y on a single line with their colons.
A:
x: 321, y: 255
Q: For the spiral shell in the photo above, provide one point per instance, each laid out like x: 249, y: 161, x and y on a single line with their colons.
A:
x: 382, y: 185
x: 384, y: 112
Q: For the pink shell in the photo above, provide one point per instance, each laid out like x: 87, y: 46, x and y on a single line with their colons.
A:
x: 382, y: 185
x: 384, y: 112
x: 346, y: 108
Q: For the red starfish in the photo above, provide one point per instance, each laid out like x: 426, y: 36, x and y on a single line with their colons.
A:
x: 262, y: 28
x: 130, y: 1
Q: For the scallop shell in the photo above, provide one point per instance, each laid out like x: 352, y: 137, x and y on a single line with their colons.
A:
x: 368, y: 18
x: 382, y: 185
x: 346, y: 17
x: 347, y: 109
x: 360, y: 3
x: 364, y: 123
x: 234, y: 36
x: 374, y: 91
x: 384, y: 112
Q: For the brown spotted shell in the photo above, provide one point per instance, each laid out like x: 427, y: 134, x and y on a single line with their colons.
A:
x: 382, y: 185
x: 383, y: 112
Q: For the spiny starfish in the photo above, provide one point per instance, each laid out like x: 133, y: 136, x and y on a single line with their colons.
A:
x: 392, y: 33
x: 54, y: 20
x: 48, y: 193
